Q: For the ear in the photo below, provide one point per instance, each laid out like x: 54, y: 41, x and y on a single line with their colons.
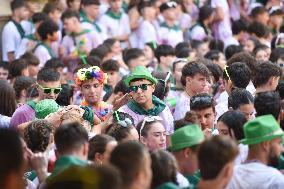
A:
x: 271, y: 80
x: 143, y: 140
x: 265, y: 146
x: 188, y: 79
x: 85, y: 149
x: 186, y: 152
x: 23, y: 93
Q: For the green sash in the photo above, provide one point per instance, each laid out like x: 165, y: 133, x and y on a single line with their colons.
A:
x: 84, y: 18
x: 19, y: 28
x: 174, y: 27
x: 116, y: 16
x: 50, y: 51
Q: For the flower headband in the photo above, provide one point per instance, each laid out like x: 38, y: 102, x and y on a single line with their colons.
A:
x: 89, y: 73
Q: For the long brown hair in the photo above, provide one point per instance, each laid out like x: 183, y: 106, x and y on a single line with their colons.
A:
x: 7, y: 99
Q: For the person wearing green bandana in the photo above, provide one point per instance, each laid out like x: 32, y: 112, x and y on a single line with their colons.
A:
x: 89, y: 13
x: 72, y: 147
x: 184, y: 144
x: 13, y: 31
x: 263, y: 135
x: 142, y: 85
x: 169, y: 32
x: 116, y: 22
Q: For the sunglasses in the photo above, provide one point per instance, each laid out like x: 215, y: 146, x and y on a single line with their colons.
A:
x: 203, y: 99
x: 148, y: 119
x: 47, y: 90
x: 144, y: 87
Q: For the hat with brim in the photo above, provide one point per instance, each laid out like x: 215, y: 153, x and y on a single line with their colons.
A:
x: 186, y: 137
x: 140, y: 72
x: 45, y: 107
x: 263, y: 128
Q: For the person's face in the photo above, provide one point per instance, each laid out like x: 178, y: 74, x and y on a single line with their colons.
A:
x: 274, y: 83
x: 92, y: 11
x: 109, y: 147
x: 132, y: 136
x: 25, y: 72
x: 263, y: 18
x: 248, y: 110
x: 23, y: 13
x: 178, y: 69
x: 148, y: 53
x: 197, y: 83
x: 33, y: 70
x: 142, y: 97
x: 249, y: 46
x: 150, y: 12
x: 4, y: 73
x: 75, y: 5
x: 223, y: 129
x: 168, y: 60
x: 206, y: 118
x: 33, y: 7
x: 156, y: 137
x: 276, y: 20
x: 55, y: 15
x: 113, y: 78
x: 69, y: 24
x: 115, y: 5
x: 221, y: 61
x: 53, y: 37
x: 202, y: 49
x: 116, y: 49
x: 140, y: 61
x: 274, y: 152
x: 170, y: 14
x: 261, y: 55
x: 92, y: 91
x: 51, y: 95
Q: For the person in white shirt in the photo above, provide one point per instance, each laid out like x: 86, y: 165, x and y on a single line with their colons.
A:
x: 194, y: 79
x: 169, y: 32
x: 89, y: 19
x: 13, y: 31
x: 264, y: 137
x: 116, y: 22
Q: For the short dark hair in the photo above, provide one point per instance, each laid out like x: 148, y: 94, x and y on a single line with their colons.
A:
x: 231, y: 50
x: 267, y: 103
x: 257, y: 11
x: 92, y: 61
x: 259, y: 47
x: 280, y: 89
x: 47, y: 27
x: 238, y: 73
x: 131, y: 54
x: 54, y: 63
x: 193, y: 68
x: 110, y: 65
x: 239, y: 97
x: 213, y: 154
x: 7, y: 99
x: 65, y: 95
x: 48, y: 75
x: 266, y: 70
x: 70, y: 137
x: 22, y: 83
x: 39, y: 17
x: 110, y: 42
x: 213, y: 55
x: 69, y: 13
x: 90, y: 2
x: 259, y: 29
x: 239, y: 26
x: 276, y: 54
x: 121, y: 87
x: 11, y: 159
x: 216, y: 44
x: 101, y: 51
x: 123, y: 156
x: 98, y: 144
x: 51, y: 7
x: 164, y: 168
x: 30, y: 59
x: 164, y: 50
x: 4, y: 65
x: 16, y: 67
x: 37, y: 135
x: 202, y: 101
x: 15, y: 4
x: 205, y: 12
x: 235, y: 121
x: 215, y: 70
x: 143, y: 4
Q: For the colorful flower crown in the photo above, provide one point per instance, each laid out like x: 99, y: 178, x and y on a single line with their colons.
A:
x: 90, y: 73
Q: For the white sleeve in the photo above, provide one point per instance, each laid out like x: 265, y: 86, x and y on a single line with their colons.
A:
x: 9, y: 40
x: 198, y: 33
x: 42, y: 54
x: 126, y: 24
x: 22, y: 48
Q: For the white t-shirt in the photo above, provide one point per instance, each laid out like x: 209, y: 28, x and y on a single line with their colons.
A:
x: 197, y: 32
x: 28, y: 26
x: 42, y: 54
x: 25, y: 46
x: 11, y: 39
x: 146, y: 32
x: 100, y: 35
x: 256, y: 175
x: 243, y: 154
x: 182, y: 181
x: 170, y: 35
x: 182, y: 106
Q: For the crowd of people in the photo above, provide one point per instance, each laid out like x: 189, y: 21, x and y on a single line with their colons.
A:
x: 142, y: 94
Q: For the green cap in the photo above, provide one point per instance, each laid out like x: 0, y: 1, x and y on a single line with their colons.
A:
x: 185, y: 137
x: 262, y: 128
x: 140, y: 72
x: 45, y: 107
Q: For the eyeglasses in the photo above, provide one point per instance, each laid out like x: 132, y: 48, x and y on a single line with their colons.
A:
x: 148, y: 119
x: 205, y: 99
x: 142, y: 86
x: 226, y: 72
x: 47, y: 90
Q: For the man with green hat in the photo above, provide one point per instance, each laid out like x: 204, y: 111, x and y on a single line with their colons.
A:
x: 263, y: 135
x: 184, y: 144
x: 141, y: 86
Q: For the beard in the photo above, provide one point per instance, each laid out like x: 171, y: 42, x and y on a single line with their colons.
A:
x: 273, y: 160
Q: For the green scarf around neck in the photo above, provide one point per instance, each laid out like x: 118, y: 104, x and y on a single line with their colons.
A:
x: 84, y: 18
x: 19, y: 28
x: 116, y: 16
x: 174, y: 27
x: 159, y: 106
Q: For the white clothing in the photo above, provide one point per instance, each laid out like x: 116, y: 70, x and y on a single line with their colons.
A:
x: 243, y: 154
x: 182, y: 181
x: 28, y: 26
x: 221, y: 108
x: 255, y: 175
x: 100, y: 36
x: 170, y: 36
x: 4, y: 121
x: 197, y: 33
x: 182, y: 106
x: 146, y: 32
x: 42, y: 54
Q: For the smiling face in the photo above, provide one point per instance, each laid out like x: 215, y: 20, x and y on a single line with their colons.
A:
x: 92, y: 91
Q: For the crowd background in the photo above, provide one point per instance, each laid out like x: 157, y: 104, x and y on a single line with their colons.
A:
x: 142, y: 94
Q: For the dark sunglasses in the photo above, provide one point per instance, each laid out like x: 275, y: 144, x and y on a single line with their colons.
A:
x: 142, y: 86
x: 47, y: 90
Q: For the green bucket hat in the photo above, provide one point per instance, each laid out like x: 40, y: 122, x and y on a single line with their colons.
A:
x: 45, y: 107
x: 263, y: 128
x: 185, y: 137
x: 140, y: 72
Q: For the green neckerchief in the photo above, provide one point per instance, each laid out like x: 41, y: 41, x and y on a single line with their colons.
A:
x: 168, y: 185
x: 31, y: 175
x: 116, y: 16
x: 32, y: 104
x: 86, y: 19
x: 159, y: 106
x: 65, y: 162
x: 50, y: 51
x: 84, y: 31
x: 88, y: 114
x: 194, y: 179
x: 19, y: 28
x: 174, y: 27
x: 31, y: 37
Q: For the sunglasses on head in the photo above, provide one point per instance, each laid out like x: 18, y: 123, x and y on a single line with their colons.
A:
x: 148, y: 119
x: 204, y: 99
x: 144, y: 87
x: 47, y: 90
